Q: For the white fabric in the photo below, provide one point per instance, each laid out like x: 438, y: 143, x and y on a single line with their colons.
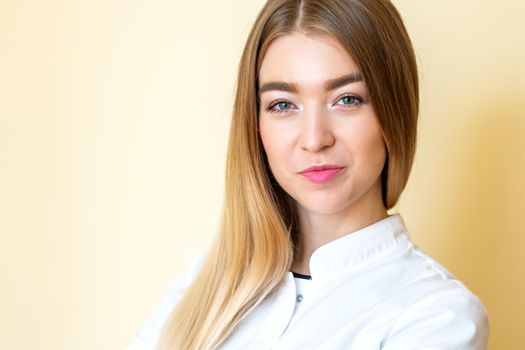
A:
x: 372, y: 289
x: 302, y: 287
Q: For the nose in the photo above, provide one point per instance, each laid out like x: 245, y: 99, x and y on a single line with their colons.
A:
x: 316, y: 132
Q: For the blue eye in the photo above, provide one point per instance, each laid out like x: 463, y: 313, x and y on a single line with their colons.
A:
x: 349, y: 100
x: 279, y: 107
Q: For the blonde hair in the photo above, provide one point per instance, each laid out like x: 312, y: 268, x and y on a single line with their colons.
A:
x: 254, y: 249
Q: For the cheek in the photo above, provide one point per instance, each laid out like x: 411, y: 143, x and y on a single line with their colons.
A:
x: 377, y: 150
x: 375, y: 143
x: 265, y: 139
x: 369, y: 146
x: 273, y: 141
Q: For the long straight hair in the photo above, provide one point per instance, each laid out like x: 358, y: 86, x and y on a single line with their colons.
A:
x: 254, y: 248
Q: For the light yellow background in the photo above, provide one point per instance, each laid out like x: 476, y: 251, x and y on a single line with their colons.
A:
x: 113, y: 130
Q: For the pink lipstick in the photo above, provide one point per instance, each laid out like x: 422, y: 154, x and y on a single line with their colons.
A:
x: 320, y: 174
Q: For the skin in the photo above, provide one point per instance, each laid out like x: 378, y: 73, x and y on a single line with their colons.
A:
x: 314, y: 125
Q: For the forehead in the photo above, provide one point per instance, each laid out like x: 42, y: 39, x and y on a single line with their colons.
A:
x: 305, y: 59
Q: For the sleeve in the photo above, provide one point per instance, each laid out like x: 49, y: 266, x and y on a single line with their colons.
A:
x: 443, y: 320
x: 146, y: 338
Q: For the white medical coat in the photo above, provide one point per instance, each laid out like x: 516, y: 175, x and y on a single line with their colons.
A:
x: 372, y: 289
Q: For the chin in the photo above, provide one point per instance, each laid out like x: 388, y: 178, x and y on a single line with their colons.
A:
x: 322, y: 206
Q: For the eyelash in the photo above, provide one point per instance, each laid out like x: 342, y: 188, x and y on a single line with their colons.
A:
x: 275, y: 103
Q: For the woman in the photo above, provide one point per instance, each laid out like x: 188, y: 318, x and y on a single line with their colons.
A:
x: 322, y: 141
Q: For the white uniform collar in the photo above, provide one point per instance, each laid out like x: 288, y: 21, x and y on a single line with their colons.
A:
x: 362, y: 246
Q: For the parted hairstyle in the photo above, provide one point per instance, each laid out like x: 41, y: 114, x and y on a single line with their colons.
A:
x: 254, y: 248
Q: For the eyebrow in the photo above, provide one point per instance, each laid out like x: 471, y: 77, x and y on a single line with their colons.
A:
x: 329, y: 85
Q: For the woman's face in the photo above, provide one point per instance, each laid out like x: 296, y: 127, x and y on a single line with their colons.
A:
x: 315, y: 110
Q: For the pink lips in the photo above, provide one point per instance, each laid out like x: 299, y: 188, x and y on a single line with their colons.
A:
x: 321, y: 174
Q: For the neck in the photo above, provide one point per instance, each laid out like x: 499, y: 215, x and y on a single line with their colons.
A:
x: 317, y: 229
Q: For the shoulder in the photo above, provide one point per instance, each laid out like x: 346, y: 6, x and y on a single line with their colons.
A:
x: 447, y: 318
x: 177, y: 288
x: 148, y: 335
x: 441, y: 312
